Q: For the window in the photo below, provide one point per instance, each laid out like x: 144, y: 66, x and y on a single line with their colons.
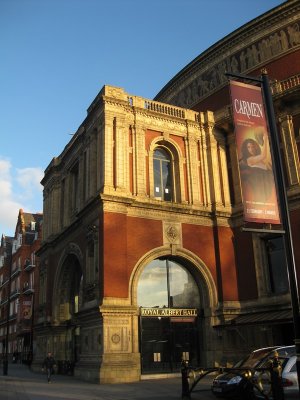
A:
x: 33, y: 258
x: 163, y: 179
x: 166, y: 283
x: 90, y: 262
x: 277, y: 265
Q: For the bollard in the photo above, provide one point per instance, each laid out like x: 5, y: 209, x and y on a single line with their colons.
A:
x: 276, y: 380
x: 5, y: 366
x: 185, y: 380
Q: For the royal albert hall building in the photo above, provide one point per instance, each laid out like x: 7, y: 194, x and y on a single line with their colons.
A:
x: 144, y: 260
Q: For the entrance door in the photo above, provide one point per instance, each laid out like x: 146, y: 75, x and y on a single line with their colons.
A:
x: 185, y: 343
x: 165, y: 342
x: 170, y: 293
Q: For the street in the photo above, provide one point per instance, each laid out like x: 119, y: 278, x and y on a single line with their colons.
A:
x: 23, y: 384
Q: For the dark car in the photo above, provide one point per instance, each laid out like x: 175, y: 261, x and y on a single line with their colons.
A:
x: 235, y: 383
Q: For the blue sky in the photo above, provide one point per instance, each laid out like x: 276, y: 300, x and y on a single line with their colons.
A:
x: 57, y: 54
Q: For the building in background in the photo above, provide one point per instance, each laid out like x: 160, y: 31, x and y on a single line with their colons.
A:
x: 18, y: 284
x: 5, y: 268
x: 143, y: 262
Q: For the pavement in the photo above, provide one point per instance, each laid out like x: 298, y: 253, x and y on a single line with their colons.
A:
x: 23, y: 384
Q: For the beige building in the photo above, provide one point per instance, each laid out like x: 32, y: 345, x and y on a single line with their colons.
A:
x: 143, y: 261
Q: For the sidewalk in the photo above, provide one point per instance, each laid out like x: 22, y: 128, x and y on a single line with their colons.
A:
x: 23, y: 384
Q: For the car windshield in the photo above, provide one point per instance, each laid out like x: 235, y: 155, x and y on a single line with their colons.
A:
x: 258, y: 356
x: 254, y: 358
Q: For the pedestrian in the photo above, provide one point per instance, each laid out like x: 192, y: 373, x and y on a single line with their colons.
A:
x: 48, y: 364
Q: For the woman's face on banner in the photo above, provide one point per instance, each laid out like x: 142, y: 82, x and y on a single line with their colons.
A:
x: 252, y: 149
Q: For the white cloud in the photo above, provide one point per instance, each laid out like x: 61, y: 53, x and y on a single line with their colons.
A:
x: 29, y: 180
x: 19, y: 188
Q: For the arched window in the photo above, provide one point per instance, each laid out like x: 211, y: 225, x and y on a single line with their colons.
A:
x: 166, y: 283
x: 163, y: 176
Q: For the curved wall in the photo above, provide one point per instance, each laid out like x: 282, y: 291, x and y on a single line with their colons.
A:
x: 271, y: 40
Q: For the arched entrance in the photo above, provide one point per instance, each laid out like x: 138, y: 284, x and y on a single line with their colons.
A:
x: 170, y: 303
x: 67, y: 303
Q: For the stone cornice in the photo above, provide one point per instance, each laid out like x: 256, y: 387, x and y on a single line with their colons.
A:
x: 152, y: 209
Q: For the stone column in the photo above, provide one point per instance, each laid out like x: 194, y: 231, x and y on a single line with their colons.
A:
x: 223, y: 170
x: 193, y: 168
x: 213, y: 161
x: 188, y: 169
x: 121, y: 154
x: 55, y: 206
x: 290, y: 150
x: 204, y: 165
x: 108, y: 168
x: 67, y: 208
x: 234, y: 170
x: 46, y: 214
x: 100, y: 157
x: 139, y: 162
x: 93, y: 167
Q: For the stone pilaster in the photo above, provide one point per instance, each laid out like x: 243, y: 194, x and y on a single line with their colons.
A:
x: 193, y: 168
x: 120, y: 359
x: 205, y: 184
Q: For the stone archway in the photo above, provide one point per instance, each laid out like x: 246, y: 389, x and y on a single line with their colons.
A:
x: 201, y: 272
x: 203, y: 323
x: 67, y: 299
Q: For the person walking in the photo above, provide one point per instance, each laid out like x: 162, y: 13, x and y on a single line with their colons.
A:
x: 48, y: 364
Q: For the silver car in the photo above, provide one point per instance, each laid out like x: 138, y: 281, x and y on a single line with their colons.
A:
x: 290, y: 379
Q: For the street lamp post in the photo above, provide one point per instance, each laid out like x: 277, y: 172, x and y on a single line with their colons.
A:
x: 285, y: 217
x: 283, y: 203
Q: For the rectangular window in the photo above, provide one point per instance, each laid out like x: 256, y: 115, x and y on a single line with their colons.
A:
x: 277, y: 265
x: 90, y: 262
x: 19, y: 239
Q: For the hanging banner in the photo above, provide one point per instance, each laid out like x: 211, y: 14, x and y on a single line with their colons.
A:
x: 255, y: 163
x: 27, y: 309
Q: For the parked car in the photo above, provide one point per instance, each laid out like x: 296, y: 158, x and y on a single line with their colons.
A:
x: 235, y: 383
x: 290, y: 378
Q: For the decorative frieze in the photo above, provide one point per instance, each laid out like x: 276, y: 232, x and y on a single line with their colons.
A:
x: 207, y: 73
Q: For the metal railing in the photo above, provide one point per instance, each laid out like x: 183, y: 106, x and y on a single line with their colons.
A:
x: 279, y: 87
